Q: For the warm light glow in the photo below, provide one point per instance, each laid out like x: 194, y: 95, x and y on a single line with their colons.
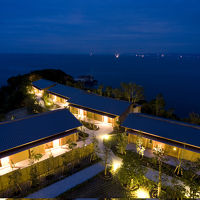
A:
x: 56, y: 143
x: 116, y: 165
x: 105, y: 119
x: 54, y: 98
x: 174, y: 148
x: 48, y: 103
x: 142, y: 193
x: 81, y: 113
x: 39, y: 93
x: 105, y: 137
x: 5, y: 162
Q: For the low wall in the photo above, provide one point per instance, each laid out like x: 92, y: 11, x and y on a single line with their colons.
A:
x: 46, y: 167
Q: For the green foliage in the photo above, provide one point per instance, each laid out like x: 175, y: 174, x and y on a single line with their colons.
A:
x: 131, y: 173
x: 157, y: 107
x: 194, y: 118
x: 48, y: 102
x: 100, y: 90
x: 173, y: 192
x: 34, y: 175
x: 71, y: 144
x: 90, y: 126
x: 122, y: 141
x: 55, y: 75
x: 132, y: 92
x: 35, y: 156
x: 15, y: 179
x: 13, y: 95
x: 32, y: 105
x: 108, y: 91
x: 106, y: 155
x: 191, y: 179
x: 96, y: 147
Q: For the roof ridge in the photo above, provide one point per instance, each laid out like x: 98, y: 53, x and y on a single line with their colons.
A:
x: 170, y: 121
x: 91, y: 93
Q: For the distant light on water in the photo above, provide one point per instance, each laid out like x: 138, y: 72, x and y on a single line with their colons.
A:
x: 117, y: 55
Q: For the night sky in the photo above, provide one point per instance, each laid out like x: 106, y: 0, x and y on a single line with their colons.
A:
x: 100, y: 26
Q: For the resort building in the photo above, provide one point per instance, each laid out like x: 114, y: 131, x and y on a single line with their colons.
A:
x: 44, y: 135
x: 177, y: 139
x: 85, y: 105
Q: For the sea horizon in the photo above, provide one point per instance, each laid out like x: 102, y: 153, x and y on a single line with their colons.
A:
x: 174, y: 75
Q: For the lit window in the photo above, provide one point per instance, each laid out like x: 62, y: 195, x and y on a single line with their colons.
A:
x: 105, y: 119
x: 5, y: 162
x: 56, y: 143
x: 81, y: 112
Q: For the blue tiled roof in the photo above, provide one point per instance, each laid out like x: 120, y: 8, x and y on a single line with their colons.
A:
x: 23, y: 131
x: 43, y: 84
x: 92, y: 101
x: 170, y: 129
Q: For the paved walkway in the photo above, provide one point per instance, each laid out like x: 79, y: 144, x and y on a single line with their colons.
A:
x: 60, y: 187
x: 104, y: 129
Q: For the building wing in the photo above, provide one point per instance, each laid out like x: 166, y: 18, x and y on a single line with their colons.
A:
x: 34, y: 128
x: 165, y: 128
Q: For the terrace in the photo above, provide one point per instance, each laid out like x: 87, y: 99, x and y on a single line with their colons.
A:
x: 52, y: 152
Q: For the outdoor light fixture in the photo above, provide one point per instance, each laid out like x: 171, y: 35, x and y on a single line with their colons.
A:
x: 116, y: 165
x: 174, y: 148
x: 142, y: 193
x: 105, y: 137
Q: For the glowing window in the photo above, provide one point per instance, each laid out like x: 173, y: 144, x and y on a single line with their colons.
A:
x: 56, y: 143
x: 5, y: 162
x: 105, y: 119
x: 81, y: 112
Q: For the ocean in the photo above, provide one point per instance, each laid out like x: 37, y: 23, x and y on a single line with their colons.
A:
x: 178, y: 79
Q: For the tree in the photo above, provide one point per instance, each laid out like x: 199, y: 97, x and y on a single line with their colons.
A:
x: 108, y: 91
x: 117, y: 93
x: 47, y: 100
x: 34, y: 156
x: 160, y: 157
x: 122, y: 141
x: 159, y: 104
x: 132, y: 92
x: 174, y: 190
x: 106, y: 155
x: 139, y: 147
x: 132, y: 173
x: 14, y: 180
x: 34, y: 176
x: 100, y: 90
x: 96, y: 147
x: 71, y: 144
x: 191, y: 178
x: 194, y: 118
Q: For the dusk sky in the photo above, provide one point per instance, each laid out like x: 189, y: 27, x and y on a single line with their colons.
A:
x: 100, y: 26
